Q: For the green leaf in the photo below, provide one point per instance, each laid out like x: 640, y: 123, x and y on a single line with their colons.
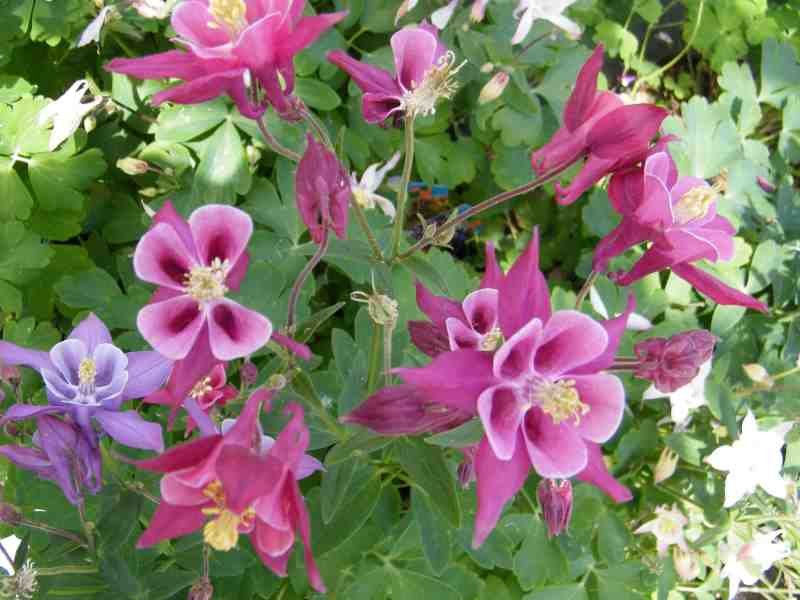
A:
x: 10, y: 298
x: 317, y: 94
x: 17, y: 201
x: 433, y: 530
x: 336, y: 483
x: 410, y: 585
x: 650, y: 10
x: 780, y: 72
x: 360, y: 445
x: 360, y: 501
x: 573, y: 591
x: 184, y: 122
x: 517, y: 128
x: 622, y: 582
x: 223, y: 171
x: 463, y: 436
x: 618, y: 40
x: 117, y: 525
x: 598, y: 216
x: 612, y: 537
x: 89, y: 289
x: 688, y: 447
x: 428, y: 470
x: 538, y: 559
x: 737, y: 81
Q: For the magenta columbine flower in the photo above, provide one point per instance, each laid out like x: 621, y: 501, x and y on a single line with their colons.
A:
x: 671, y: 363
x: 88, y: 379
x: 424, y: 73
x: 678, y: 215
x: 239, y: 482
x: 555, y: 498
x: 598, y: 126
x: 242, y: 48
x: 322, y: 190
x: 195, y: 264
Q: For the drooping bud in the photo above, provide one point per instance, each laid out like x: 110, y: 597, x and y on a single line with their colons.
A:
x: 89, y: 124
x: 248, y: 373
x: 494, y: 88
x: 687, y: 564
x: 403, y: 410
x: 201, y: 590
x: 555, y: 498
x: 671, y: 363
x: 9, y: 514
x: 759, y: 375
x: 666, y: 465
x: 322, y: 190
x: 133, y: 166
x: 765, y: 184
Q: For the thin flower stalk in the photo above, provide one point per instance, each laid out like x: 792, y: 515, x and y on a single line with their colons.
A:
x: 274, y: 144
x: 294, y: 296
x: 402, y: 195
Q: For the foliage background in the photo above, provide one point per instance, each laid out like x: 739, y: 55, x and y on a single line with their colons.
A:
x: 69, y: 220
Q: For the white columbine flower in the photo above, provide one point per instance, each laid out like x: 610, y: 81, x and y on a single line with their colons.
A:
x: 364, y: 191
x: 745, y: 561
x: 755, y: 459
x: 668, y: 529
x: 92, y: 31
x: 441, y: 16
x: 67, y: 112
x: 549, y: 10
x: 153, y: 9
x: 685, y: 398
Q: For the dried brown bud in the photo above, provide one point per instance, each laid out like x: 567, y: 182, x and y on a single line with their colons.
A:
x: 201, y: 590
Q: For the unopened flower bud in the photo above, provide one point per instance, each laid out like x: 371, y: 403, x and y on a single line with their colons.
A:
x: 478, y: 10
x: 381, y: 308
x: 253, y: 155
x: 9, y: 373
x: 666, y: 465
x: 758, y: 375
x: 404, y: 410
x: 687, y: 564
x: 276, y: 382
x: 201, y: 590
x: 132, y: 166
x: 487, y: 68
x: 149, y: 192
x: 555, y: 498
x: 249, y: 373
x: 9, y: 514
x: 765, y: 185
x: 671, y: 363
x: 494, y: 88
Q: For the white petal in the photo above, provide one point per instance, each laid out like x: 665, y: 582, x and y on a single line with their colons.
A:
x: 722, y: 459
x: 637, y: 322
x: 597, y: 302
x: 570, y: 27
x: 737, y: 487
x: 774, y: 485
x: 385, y: 204
x: 441, y: 17
x: 524, y: 27
x: 652, y: 393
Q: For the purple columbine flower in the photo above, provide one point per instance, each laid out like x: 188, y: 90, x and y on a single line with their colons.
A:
x: 61, y: 454
x: 88, y: 378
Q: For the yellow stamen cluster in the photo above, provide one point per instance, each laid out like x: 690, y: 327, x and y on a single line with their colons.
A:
x: 491, y: 341
x: 222, y: 532
x: 87, y: 371
x: 694, y: 204
x: 201, y: 388
x: 561, y: 401
x: 208, y: 283
x: 230, y: 14
x: 439, y: 82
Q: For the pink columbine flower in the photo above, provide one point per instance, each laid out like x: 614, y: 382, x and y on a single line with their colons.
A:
x: 239, y: 482
x: 541, y: 396
x: 424, y: 73
x: 598, y: 126
x: 678, y: 215
x: 671, y: 363
x: 243, y: 48
x: 322, y: 190
x: 195, y: 264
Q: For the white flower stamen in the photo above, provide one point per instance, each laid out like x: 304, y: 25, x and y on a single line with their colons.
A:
x: 438, y: 83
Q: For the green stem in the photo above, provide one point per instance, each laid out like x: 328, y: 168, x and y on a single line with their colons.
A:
x: 677, y: 57
x: 677, y: 495
x: 54, y: 531
x: 88, y: 528
x: 387, y: 353
x: 483, y: 206
x: 301, y: 279
x: 587, y: 286
x: 374, y: 359
x: 402, y: 194
x: 358, y: 210
x: 66, y: 570
x: 274, y: 144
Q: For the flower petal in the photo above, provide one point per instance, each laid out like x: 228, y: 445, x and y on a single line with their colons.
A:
x: 147, y: 372
x: 191, y: 21
x: 220, y: 232
x: 182, y: 456
x: 493, y: 275
x: 437, y: 308
x: 162, y: 258
x: 57, y: 388
x: 11, y: 354
x: 480, y: 308
x: 716, y: 290
x: 170, y: 522
x: 172, y: 326
x: 605, y: 396
x: 515, y: 356
x: 556, y: 451
x: 523, y: 292
x: 92, y: 332
x: 67, y: 357
x: 369, y: 78
x: 570, y: 339
x: 501, y: 413
x: 130, y: 429
x: 596, y: 473
x: 236, y: 331
x: 497, y: 482
x: 581, y: 100
x: 414, y: 52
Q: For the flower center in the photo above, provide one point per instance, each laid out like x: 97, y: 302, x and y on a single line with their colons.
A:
x: 667, y: 527
x: 230, y: 14
x: 694, y: 204
x: 222, y: 532
x: 361, y: 197
x: 491, y: 341
x: 438, y: 82
x: 201, y: 388
x: 87, y: 371
x: 561, y: 401
x: 208, y: 283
